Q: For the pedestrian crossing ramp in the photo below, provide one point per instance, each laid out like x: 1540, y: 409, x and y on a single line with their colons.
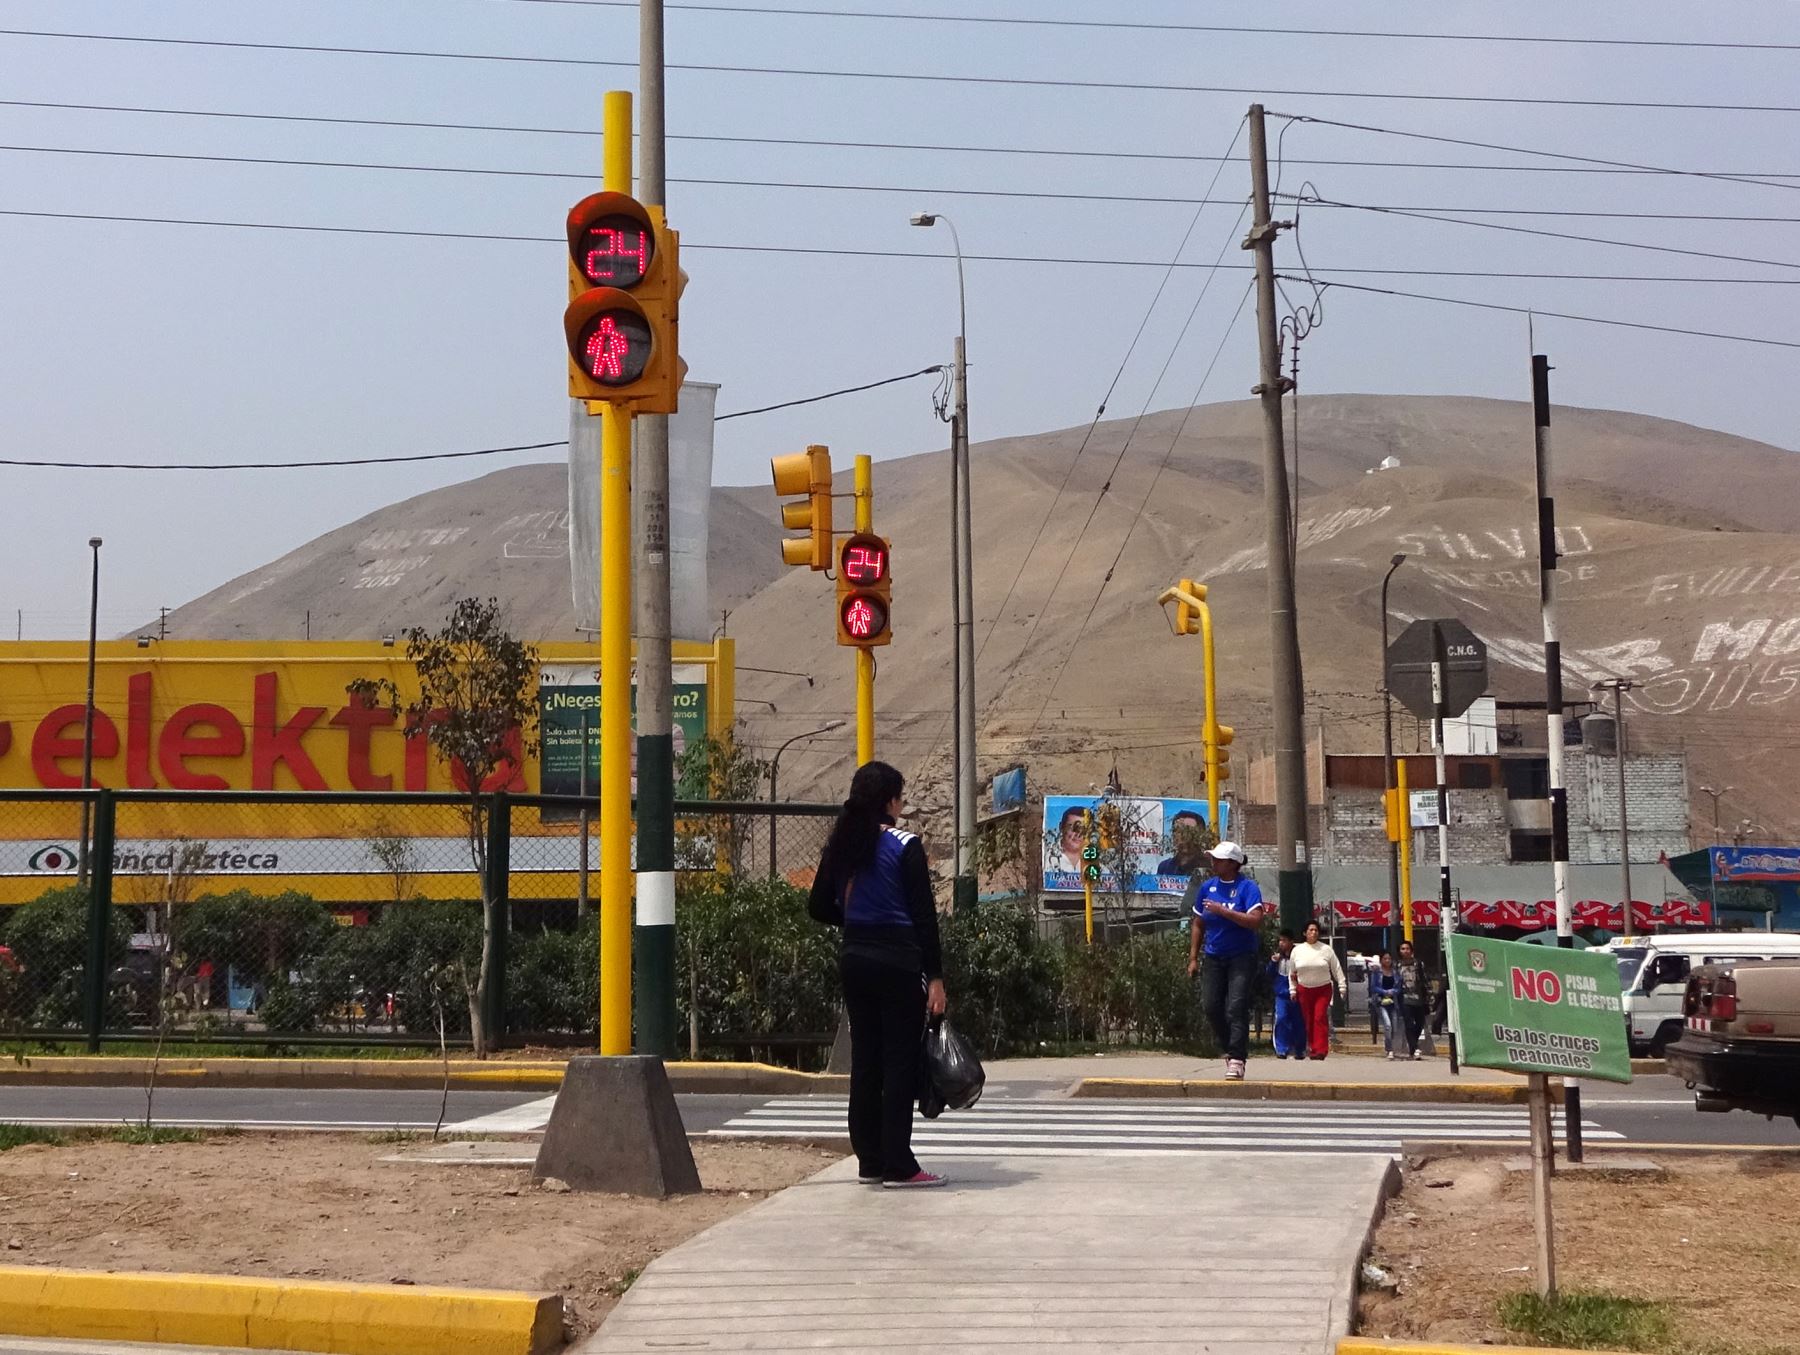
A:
x: 1060, y: 1129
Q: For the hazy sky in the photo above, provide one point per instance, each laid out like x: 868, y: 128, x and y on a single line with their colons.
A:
x: 147, y: 343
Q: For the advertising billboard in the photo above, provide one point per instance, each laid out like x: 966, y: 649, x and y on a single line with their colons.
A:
x: 1156, y: 841
x: 569, y: 717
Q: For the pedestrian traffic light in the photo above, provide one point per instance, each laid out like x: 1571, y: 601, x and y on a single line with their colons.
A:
x: 1218, y: 756
x: 622, y: 321
x: 805, y: 477
x: 1187, y: 616
x: 864, y: 586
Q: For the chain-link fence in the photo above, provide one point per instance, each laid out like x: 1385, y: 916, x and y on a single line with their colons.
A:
x: 221, y: 916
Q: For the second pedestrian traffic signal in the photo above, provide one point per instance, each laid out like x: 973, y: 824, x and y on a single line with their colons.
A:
x: 864, y: 588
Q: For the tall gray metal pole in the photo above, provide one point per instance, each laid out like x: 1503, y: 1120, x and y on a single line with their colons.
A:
x: 1389, y: 782
x: 965, y: 887
x: 1447, y: 917
x: 1295, y: 877
x: 87, y: 717
x: 1619, y: 685
x: 653, y: 938
x: 1553, y: 706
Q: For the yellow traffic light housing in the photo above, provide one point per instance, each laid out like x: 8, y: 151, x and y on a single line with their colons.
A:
x: 1218, y: 755
x: 864, y: 592
x: 622, y: 321
x: 805, y: 477
x: 1390, y: 803
x: 1187, y: 616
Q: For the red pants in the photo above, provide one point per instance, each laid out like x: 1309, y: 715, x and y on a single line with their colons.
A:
x: 1315, y: 1011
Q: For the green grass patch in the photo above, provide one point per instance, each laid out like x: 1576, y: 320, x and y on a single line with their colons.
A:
x: 18, y: 1135
x: 1589, y: 1321
x: 149, y: 1134
x: 394, y: 1136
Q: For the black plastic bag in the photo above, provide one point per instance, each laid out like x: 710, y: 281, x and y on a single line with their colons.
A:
x: 951, y: 1077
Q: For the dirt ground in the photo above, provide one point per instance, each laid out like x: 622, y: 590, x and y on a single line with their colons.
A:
x: 1717, y: 1238
x: 326, y: 1207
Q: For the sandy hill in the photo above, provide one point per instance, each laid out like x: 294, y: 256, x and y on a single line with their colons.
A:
x: 1681, y: 555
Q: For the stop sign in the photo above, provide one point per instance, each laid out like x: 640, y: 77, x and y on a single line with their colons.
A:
x: 1460, y: 656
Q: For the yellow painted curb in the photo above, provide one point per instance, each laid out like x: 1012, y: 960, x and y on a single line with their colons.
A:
x: 1369, y: 1345
x: 1476, y: 1093
x: 261, y: 1314
x: 389, y: 1074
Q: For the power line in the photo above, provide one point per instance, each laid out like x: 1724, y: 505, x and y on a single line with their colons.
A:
x: 1551, y: 235
x: 1146, y: 27
x: 821, y: 251
x: 1589, y: 160
x: 923, y: 77
x: 424, y: 456
x: 1121, y: 153
x: 1549, y: 314
x: 1038, y: 195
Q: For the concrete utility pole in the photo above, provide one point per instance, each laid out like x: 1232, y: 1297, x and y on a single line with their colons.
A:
x: 1402, y: 905
x: 1553, y: 705
x: 87, y: 718
x: 653, y: 941
x: 1294, y: 882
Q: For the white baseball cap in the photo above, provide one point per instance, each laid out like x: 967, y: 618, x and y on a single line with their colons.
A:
x: 1227, y: 851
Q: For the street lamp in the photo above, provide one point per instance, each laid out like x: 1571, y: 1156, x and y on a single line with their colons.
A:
x: 87, y: 717
x: 1717, y: 795
x: 962, y: 584
x: 775, y: 771
x: 1387, y: 748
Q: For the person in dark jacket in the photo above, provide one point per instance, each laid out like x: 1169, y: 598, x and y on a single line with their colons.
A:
x: 874, y: 883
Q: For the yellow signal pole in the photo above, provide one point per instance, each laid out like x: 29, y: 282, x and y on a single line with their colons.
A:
x: 615, y: 659
x: 1405, y: 808
x: 865, y: 661
x: 1192, y: 597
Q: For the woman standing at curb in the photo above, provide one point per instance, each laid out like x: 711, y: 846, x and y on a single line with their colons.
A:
x: 874, y: 883
x: 1316, y: 970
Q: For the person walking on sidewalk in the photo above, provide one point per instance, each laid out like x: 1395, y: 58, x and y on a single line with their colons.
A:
x: 1384, y: 997
x: 1227, y: 911
x: 1290, y: 1029
x: 874, y: 883
x: 1316, y: 972
x: 1415, y: 997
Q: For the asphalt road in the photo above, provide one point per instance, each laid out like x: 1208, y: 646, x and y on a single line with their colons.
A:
x: 1651, y: 1111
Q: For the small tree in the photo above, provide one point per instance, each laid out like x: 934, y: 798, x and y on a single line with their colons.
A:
x: 398, y: 858
x: 477, y: 707
x: 718, y: 769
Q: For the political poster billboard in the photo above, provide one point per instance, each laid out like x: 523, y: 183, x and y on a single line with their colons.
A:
x: 1159, y: 841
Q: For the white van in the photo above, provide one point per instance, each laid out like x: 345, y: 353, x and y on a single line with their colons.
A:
x: 1653, y: 972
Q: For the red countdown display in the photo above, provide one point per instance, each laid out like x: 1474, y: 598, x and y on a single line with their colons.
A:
x: 613, y: 347
x: 863, y: 617
x: 865, y: 562
x: 615, y: 251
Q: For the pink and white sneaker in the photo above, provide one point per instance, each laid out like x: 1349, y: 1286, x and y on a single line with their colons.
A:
x: 922, y: 1180
x: 1234, y: 1070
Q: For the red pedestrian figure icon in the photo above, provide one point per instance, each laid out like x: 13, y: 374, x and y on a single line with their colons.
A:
x: 607, y: 348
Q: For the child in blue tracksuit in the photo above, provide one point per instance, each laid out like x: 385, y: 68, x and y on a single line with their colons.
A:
x: 1290, y: 1027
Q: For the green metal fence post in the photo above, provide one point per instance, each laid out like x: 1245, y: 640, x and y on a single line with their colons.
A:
x: 100, y: 879
x: 499, y: 883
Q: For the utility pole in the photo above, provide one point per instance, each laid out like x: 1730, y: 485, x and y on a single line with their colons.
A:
x: 1618, y: 687
x: 653, y: 942
x: 1402, y: 907
x: 1295, y: 878
x: 1553, y: 705
x: 82, y: 864
x: 1716, y: 795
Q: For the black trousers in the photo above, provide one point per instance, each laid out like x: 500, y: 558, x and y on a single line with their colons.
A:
x: 1227, y: 982
x: 1413, y: 1013
x: 886, y: 1004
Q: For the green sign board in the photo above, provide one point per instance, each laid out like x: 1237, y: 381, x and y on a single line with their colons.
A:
x: 569, y: 716
x: 1538, y: 1009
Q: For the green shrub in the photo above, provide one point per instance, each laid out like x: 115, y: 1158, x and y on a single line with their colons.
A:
x: 1001, y: 978
x: 553, y: 980
x: 758, y: 964
x: 262, y: 939
x: 48, y: 938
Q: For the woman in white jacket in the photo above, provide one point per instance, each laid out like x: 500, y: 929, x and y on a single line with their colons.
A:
x: 1315, y: 971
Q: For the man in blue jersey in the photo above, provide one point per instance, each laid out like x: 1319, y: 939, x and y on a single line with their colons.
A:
x: 1227, y: 912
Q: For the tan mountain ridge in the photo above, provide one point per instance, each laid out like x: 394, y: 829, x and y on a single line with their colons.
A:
x: 1680, y: 568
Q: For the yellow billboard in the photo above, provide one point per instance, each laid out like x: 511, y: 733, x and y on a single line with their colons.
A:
x: 226, y: 716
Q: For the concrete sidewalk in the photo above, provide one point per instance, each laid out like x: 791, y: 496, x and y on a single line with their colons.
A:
x: 1226, y: 1254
